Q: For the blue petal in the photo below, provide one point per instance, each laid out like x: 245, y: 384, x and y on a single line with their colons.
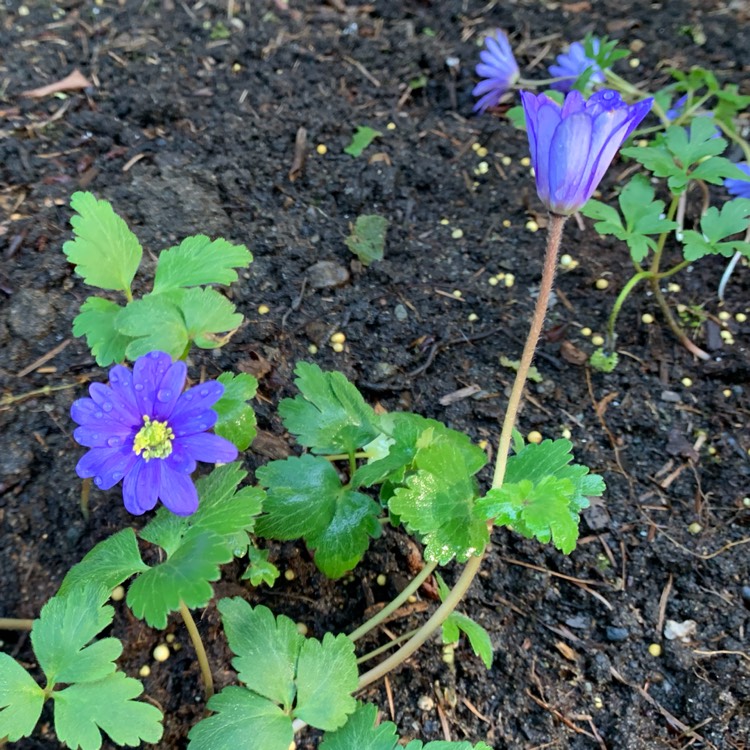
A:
x: 86, y: 412
x: 141, y: 486
x: 197, y: 399
x: 148, y: 372
x: 548, y: 122
x: 121, y: 382
x: 170, y: 390
x: 178, y: 492
x: 569, y: 152
x: 107, y: 465
x: 114, y: 406
x: 188, y: 424
x: 99, y: 436
x: 207, y: 447
x: 179, y: 460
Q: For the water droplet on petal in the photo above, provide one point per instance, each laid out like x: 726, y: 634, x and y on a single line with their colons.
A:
x: 139, y: 387
x: 203, y: 391
x: 163, y: 395
x: 113, y: 442
x: 98, y: 481
x: 95, y: 436
x: 203, y: 426
x: 113, y: 378
x: 117, y: 475
x: 188, y: 396
x: 107, y: 406
x: 98, y: 414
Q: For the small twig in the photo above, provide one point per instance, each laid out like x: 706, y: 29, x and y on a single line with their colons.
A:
x: 663, y: 606
x: 44, y: 358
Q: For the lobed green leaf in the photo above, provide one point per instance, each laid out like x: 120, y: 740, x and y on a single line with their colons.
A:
x: 259, y: 569
x: 21, y: 700
x: 367, y: 239
x: 155, y: 323
x: 361, y: 139
x: 105, y: 252
x: 96, y: 322
x: 236, y: 421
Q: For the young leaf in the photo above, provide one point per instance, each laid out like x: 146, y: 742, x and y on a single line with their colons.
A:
x: 361, y: 139
x: 96, y: 322
x: 82, y: 710
x: 199, y: 260
x: 206, y: 312
x: 236, y: 417
x: 330, y: 416
x: 543, y: 494
x: 313, y: 678
x: 438, y: 501
x: 155, y: 324
x: 240, y: 715
x: 21, y: 700
x: 361, y: 733
x: 108, y: 563
x: 105, y: 252
x: 260, y: 570
x: 306, y: 499
x: 367, y: 240
x: 716, y: 226
x: 62, y: 631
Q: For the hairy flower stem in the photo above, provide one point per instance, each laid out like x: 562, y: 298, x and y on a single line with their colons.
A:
x: 472, y: 567
x: 200, y: 651
x: 14, y: 623
x: 384, y: 613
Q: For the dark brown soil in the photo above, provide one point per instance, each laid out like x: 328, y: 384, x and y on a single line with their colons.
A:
x: 188, y: 129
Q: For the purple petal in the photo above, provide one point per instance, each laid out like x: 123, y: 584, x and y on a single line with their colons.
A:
x: 189, y: 424
x: 148, y: 372
x: 103, y: 436
x: 569, y: 151
x: 114, y: 406
x: 196, y: 400
x: 141, y: 486
x: 737, y: 186
x: 107, y: 465
x: 180, y: 460
x: 178, y: 492
x: 207, y: 447
x: 85, y: 411
x: 170, y: 390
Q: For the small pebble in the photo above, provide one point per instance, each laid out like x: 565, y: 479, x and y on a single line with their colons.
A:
x: 727, y: 392
x: 601, y: 284
x: 746, y: 596
x: 337, y: 347
x: 390, y: 126
x: 586, y: 331
x: 647, y: 318
x: 118, y: 594
x: 506, y: 223
x: 313, y: 349
x: 161, y: 652
x: 169, y: 638
x: 302, y: 628
x: 492, y: 281
x: 144, y: 671
x: 457, y: 293
x: 472, y: 318
x: 425, y: 703
x: 532, y: 226
x: 634, y: 62
x: 482, y: 152
x: 654, y: 649
x: 566, y: 433
x: 510, y: 279
x: 597, y: 340
x: 672, y: 287
x: 598, y: 702
x: 506, y: 161
x: 525, y: 162
x: 616, y: 635
x: 566, y: 260
x: 724, y: 315
x: 534, y: 437
x: 695, y: 529
x: 400, y: 313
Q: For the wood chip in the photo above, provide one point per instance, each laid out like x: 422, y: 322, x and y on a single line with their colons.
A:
x: 74, y: 82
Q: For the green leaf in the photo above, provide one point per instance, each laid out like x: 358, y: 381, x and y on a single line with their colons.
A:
x: 199, y: 260
x: 442, y: 745
x: 478, y: 637
x: 156, y: 324
x: 438, y: 501
x: 108, y: 563
x: 82, y: 710
x: 185, y: 576
x: 604, y: 361
x: 206, y: 313
x: 333, y: 660
x: 693, y: 144
x: 236, y: 420
x: 306, y: 499
x: 716, y: 169
x: 367, y: 240
x: 105, y: 252
x: 330, y: 416
x: 241, y: 715
x: 267, y: 649
x: 259, y: 569
x: 62, y: 631
x: 361, y: 139
x: 21, y: 700
x: 361, y: 733
x: 716, y: 226
x: 543, y: 494
x: 96, y: 322
x: 276, y: 662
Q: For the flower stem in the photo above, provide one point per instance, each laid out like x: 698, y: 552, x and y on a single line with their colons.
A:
x: 384, y: 613
x: 386, y: 646
x: 15, y: 623
x: 472, y: 567
x: 554, y: 239
x: 200, y: 651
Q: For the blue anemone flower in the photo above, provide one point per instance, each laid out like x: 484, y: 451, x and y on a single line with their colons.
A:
x: 573, y: 63
x: 738, y: 187
x: 573, y: 145
x: 142, y: 429
x: 499, y: 70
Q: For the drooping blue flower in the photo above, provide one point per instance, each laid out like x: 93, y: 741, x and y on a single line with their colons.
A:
x: 738, y: 187
x: 499, y: 70
x: 573, y: 63
x: 142, y: 429
x: 572, y: 146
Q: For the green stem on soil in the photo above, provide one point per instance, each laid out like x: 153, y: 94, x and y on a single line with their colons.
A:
x: 472, y: 567
x: 15, y: 623
x: 386, y: 646
x: 619, y: 302
x: 200, y: 651
x: 384, y: 613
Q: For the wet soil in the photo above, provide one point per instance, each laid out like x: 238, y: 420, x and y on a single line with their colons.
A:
x: 190, y: 126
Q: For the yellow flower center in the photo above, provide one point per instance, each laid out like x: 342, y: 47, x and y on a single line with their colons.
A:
x: 154, y: 440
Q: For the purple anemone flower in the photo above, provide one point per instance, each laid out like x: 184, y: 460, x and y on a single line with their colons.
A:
x: 572, y: 146
x: 499, y: 70
x: 572, y: 64
x: 142, y: 429
x: 737, y: 186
